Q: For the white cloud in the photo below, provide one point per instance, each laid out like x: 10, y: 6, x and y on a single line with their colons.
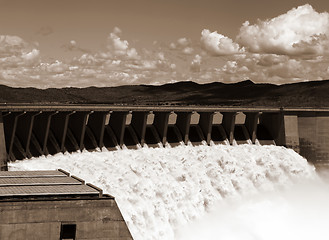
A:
x: 119, y: 47
x: 31, y: 56
x: 73, y: 43
x: 230, y: 67
x: 271, y: 68
x: 132, y: 54
x: 300, y: 31
x: 90, y: 59
x: 188, y: 50
x: 173, y: 66
x: 218, y: 44
x: 117, y: 31
x: 56, y: 67
x: 289, y: 70
x: 74, y: 46
x: 172, y: 46
x: 217, y: 58
x: 196, y: 63
x: 161, y: 56
x: 183, y: 42
x: 183, y: 45
x: 268, y: 60
x: 8, y: 42
x: 14, y: 51
x: 143, y: 65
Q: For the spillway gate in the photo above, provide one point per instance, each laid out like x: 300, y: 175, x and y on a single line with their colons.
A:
x: 30, y: 130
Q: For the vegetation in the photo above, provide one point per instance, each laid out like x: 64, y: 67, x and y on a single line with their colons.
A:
x: 246, y: 93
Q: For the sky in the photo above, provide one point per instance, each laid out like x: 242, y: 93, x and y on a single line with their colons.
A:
x: 79, y: 43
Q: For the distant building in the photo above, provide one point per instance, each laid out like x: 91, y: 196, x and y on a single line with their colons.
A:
x: 53, y: 205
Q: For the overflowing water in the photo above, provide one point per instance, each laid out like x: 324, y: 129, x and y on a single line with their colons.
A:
x: 205, y: 192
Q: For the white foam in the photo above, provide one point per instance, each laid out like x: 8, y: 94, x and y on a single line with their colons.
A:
x: 185, y: 192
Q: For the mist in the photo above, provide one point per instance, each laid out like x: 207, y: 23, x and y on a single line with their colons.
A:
x: 205, y: 192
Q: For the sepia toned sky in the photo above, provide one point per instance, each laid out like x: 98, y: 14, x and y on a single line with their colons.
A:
x: 108, y: 43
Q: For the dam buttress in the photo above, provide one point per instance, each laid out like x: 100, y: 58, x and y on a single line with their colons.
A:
x: 33, y: 130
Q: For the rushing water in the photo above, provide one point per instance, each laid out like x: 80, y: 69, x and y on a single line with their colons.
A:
x: 205, y: 192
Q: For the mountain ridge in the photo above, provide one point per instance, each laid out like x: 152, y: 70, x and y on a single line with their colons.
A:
x: 244, y: 93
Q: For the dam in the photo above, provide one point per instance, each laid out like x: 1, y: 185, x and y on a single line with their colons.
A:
x: 31, y: 130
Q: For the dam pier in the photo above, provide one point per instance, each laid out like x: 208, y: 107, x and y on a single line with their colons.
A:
x: 29, y: 130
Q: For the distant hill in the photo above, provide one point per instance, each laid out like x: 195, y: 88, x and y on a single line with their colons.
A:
x: 246, y: 93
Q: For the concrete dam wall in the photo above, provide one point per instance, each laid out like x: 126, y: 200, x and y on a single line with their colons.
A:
x: 30, y: 130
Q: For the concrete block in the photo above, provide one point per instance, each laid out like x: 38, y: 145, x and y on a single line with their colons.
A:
x: 96, y: 123
x: 59, y: 124
x: 228, y: 124
x: 3, y: 151
x: 118, y: 125
x: 183, y: 124
x: 274, y: 124
x: 161, y: 121
x: 139, y: 122
x: 251, y: 122
x: 291, y: 132
x: 77, y: 124
x: 205, y: 123
x: 35, y: 231
x: 95, y: 219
